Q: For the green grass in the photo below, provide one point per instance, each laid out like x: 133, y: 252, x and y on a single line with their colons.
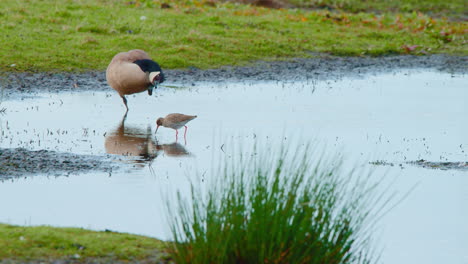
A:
x: 50, y: 243
x: 455, y: 9
x: 84, y: 35
x: 277, y: 208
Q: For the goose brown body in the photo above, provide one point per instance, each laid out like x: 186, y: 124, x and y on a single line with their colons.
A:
x: 133, y: 72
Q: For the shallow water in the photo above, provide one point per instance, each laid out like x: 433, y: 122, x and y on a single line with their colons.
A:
x: 390, y: 118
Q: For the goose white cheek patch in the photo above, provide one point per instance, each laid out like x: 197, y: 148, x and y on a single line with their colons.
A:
x: 154, y: 78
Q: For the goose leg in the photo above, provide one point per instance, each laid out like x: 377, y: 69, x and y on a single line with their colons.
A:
x: 122, y: 123
x: 125, y: 102
x: 176, y: 133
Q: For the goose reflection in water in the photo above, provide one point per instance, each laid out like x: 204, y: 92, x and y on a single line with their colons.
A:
x: 131, y: 141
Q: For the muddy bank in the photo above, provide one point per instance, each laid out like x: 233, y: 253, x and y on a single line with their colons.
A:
x: 20, y: 85
x: 461, y: 165
x: 20, y: 162
x: 322, y: 68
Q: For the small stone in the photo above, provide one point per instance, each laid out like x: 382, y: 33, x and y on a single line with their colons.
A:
x: 143, y: 18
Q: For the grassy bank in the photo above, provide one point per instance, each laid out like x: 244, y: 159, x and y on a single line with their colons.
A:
x: 84, y: 35
x: 49, y: 243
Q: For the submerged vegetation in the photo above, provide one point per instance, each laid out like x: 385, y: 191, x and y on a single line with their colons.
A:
x: 283, y: 208
x: 44, y: 243
x: 84, y: 35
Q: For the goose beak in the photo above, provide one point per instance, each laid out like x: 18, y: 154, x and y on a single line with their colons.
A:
x: 156, y: 83
x: 150, y: 90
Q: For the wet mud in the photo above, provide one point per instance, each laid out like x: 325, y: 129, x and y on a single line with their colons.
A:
x: 20, y: 162
x: 23, y: 85
x: 461, y: 165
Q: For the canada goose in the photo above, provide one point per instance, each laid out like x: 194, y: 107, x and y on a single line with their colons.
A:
x: 133, y: 72
x: 174, y: 121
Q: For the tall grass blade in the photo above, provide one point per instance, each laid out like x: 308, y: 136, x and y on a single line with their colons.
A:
x: 277, y: 207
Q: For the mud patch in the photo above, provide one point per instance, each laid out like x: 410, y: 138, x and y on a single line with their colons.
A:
x: 322, y: 67
x: 463, y: 165
x: 19, y: 162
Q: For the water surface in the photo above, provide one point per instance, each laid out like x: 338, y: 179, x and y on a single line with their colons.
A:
x: 394, y: 118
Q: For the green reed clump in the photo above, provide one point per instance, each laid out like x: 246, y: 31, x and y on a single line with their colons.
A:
x: 276, y: 208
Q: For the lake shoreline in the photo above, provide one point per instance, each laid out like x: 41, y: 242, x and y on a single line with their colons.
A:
x: 322, y: 67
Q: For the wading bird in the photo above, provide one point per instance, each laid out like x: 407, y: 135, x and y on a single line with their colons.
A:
x: 174, y: 121
x: 133, y: 72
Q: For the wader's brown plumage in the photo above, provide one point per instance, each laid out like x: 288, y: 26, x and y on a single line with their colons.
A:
x: 174, y: 121
x: 133, y: 72
x: 173, y: 150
